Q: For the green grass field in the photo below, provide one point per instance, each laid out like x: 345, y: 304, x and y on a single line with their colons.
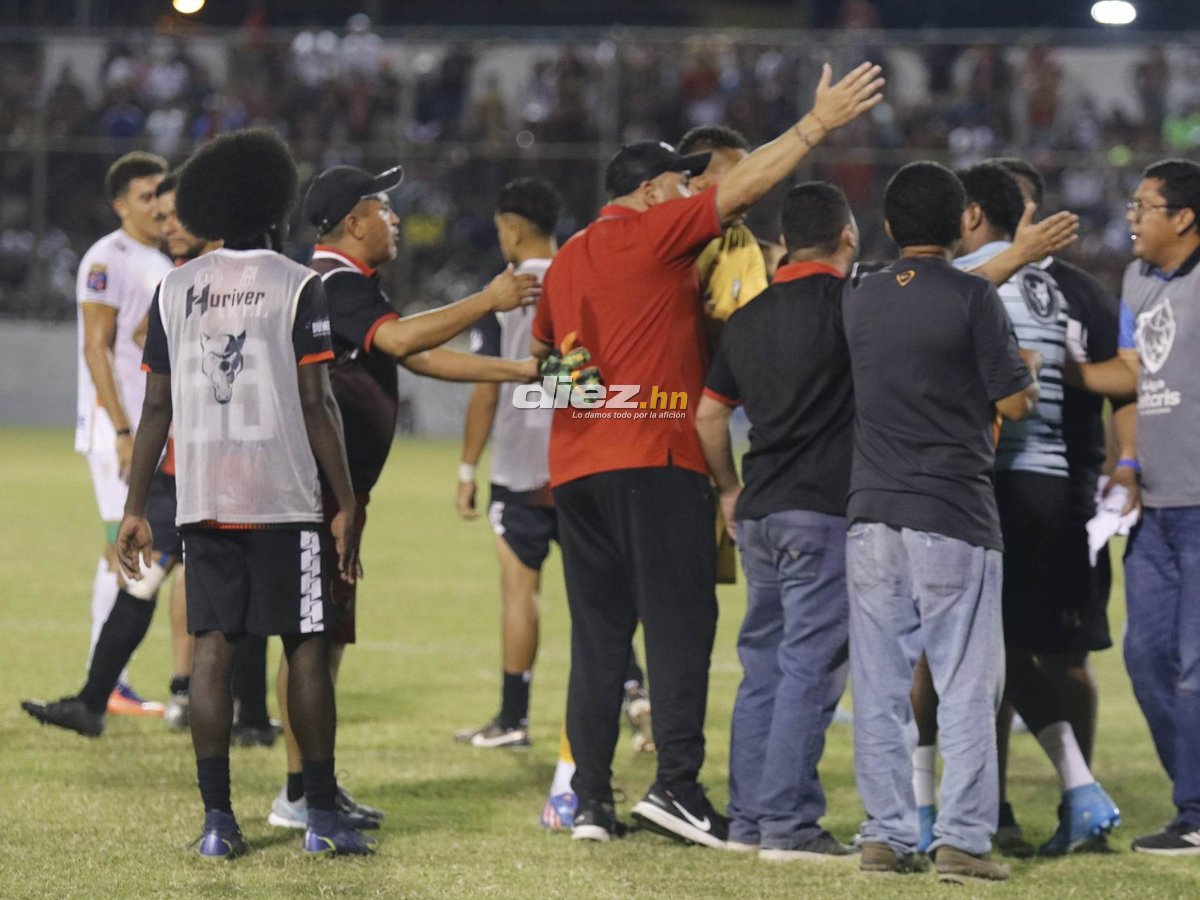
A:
x: 110, y: 818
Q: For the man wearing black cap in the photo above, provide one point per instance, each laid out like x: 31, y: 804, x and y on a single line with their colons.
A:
x: 635, y: 508
x: 357, y: 232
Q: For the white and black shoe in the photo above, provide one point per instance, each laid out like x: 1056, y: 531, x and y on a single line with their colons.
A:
x: 596, y: 821
x: 1177, y: 839
x: 683, y: 814
x: 494, y: 735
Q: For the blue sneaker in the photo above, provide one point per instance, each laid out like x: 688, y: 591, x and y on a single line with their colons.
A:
x: 927, y: 815
x: 1085, y: 815
x: 559, y: 812
x: 221, y: 837
x: 329, y: 834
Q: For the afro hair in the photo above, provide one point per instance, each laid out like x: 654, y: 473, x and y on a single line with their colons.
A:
x: 237, y: 187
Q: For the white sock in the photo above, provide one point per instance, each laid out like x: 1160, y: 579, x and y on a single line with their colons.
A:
x: 563, y: 773
x: 924, y: 765
x: 104, y: 596
x: 1058, y: 740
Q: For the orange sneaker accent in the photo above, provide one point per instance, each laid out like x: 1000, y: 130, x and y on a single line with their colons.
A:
x: 121, y: 706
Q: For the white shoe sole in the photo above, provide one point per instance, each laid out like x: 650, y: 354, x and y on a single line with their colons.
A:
x: 776, y: 855
x: 590, y: 833
x: 739, y: 847
x: 1189, y: 851
x: 280, y: 822
x: 659, y: 817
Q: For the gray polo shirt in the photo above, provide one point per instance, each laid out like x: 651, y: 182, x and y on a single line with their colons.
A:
x: 1160, y: 318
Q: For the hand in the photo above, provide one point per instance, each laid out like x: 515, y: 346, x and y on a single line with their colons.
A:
x: 1128, y: 479
x: 464, y: 500
x: 345, y: 538
x: 135, y: 547
x: 528, y: 370
x: 729, y: 501
x: 845, y: 101
x: 1033, y: 360
x: 1047, y: 237
x: 124, y: 455
x: 508, y: 291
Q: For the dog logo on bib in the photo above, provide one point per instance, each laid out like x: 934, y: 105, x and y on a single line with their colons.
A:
x: 1155, y: 335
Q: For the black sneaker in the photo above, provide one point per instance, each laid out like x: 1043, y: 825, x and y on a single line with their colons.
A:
x: 1177, y: 839
x: 820, y: 848
x: 596, y: 821
x: 684, y: 814
x: 69, y: 713
x: 494, y: 735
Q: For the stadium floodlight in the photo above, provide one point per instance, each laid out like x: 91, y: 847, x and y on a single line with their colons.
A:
x: 187, y: 7
x: 1114, y: 12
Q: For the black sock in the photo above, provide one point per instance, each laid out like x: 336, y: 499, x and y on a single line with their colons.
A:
x: 320, y: 785
x: 180, y: 684
x: 250, y: 681
x: 126, y: 626
x: 295, y: 786
x: 514, y: 699
x: 213, y: 775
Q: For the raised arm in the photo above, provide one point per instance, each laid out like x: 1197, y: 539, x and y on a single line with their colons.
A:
x: 413, y: 334
x: 834, y: 105
x: 452, y: 365
x: 1031, y: 243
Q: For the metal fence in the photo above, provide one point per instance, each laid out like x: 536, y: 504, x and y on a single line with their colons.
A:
x: 466, y: 111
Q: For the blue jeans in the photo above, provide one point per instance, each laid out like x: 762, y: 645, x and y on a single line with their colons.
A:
x: 914, y: 591
x: 1162, y: 642
x: 793, y: 648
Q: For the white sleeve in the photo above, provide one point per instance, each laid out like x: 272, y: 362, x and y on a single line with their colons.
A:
x: 94, y: 280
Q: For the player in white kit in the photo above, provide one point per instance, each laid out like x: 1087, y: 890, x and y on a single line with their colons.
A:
x: 114, y: 287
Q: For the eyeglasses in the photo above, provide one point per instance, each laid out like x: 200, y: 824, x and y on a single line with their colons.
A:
x: 1137, y: 207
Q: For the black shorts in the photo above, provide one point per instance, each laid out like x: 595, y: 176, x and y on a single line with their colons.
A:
x: 1054, y: 601
x: 256, y: 581
x: 525, y: 521
x: 160, y: 513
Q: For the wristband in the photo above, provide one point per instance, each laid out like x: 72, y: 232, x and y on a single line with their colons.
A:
x: 466, y: 473
x: 124, y: 432
x: 1130, y: 463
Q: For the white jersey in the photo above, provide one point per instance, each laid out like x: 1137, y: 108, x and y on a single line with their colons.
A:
x: 520, y: 437
x: 119, y: 272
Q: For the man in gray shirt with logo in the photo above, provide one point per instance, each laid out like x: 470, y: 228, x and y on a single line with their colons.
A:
x: 1160, y: 465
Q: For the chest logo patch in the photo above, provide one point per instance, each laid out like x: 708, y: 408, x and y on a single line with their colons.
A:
x: 903, y: 278
x: 222, y: 361
x: 1155, y: 335
x: 1041, y: 296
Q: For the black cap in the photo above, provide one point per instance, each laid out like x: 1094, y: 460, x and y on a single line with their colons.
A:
x: 337, y: 190
x: 645, y: 160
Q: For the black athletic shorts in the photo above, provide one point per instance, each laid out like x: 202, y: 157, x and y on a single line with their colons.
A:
x: 527, y: 522
x: 256, y: 581
x: 160, y: 513
x: 1054, y: 601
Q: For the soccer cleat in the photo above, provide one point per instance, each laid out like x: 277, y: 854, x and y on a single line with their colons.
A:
x: 637, y: 710
x: 125, y: 701
x: 559, y: 812
x: 358, y: 812
x: 252, y: 736
x: 1009, y: 839
x: 1177, y: 839
x: 68, y: 713
x: 1085, y: 814
x: 881, y: 858
x: 286, y: 813
x: 329, y: 833
x: 928, y: 817
x: 221, y: 837
x: 494, y: 735
x: 176, y: 712
x: 821, y: 848
x: 683, y: 815
x: 959, y: 867
x: 596, y: 821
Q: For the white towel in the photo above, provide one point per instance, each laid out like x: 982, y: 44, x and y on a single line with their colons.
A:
x: 1108, y: 520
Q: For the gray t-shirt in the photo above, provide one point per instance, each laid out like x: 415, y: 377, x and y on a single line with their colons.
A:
x: 520, y: 437
x: 1160, y: 318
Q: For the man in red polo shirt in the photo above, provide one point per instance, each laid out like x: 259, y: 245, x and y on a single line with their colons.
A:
x: 635, y: 508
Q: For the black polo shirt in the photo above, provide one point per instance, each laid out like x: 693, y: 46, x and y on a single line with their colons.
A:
x: 784, y: 358
x: 932, y: 349
x: 364, y: 381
